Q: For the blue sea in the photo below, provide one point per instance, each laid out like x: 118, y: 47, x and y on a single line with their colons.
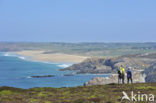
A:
x: 16, y: 71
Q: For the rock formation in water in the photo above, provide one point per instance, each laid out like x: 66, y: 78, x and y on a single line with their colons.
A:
x: 42, y: 76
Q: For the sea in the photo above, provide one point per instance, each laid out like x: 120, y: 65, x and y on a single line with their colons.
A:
x: 16, y: 71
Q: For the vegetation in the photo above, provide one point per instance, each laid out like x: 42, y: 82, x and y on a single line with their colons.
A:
x: 85, y: 49
x: 90, y: 94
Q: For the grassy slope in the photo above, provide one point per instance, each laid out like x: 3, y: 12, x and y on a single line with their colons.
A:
x: 90, y: 94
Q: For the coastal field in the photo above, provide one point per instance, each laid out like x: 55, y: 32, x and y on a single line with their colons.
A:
x: 90, y: 94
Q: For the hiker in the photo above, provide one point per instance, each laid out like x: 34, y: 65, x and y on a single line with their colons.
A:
x: 121, y: 74
x: 129, y: 75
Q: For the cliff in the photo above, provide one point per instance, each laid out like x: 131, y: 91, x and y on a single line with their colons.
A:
x: 138, y: 77
x: 142, y: 64
x: 151, y: 73
x: 110, y: 65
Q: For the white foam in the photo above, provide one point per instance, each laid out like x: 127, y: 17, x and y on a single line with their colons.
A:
x: 47, y: 62
x: 25, y: 58
x: 29, y: 77
x: 64, y: 65
x: 13, y: 55
x: 21, y: 57
x: 6, y: 54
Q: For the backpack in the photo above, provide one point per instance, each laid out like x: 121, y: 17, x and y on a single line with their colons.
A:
x: 129, y: 73
x: 119, y: 71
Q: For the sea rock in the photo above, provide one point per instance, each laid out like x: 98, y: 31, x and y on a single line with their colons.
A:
x: 42, y: 76
x: 138, y: 77
x: 68, y: 74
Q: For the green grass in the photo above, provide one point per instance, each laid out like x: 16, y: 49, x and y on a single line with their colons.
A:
x: 89, y: 94
x: 145, y: 88
x: 6, y: 92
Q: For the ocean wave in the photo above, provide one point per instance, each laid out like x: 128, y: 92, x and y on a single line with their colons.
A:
x: 21, y: 57
x: 48, y: 62
x: 29, y: 77
x: 14, y: 55
x: 64, y: 65
x: 6, y: 54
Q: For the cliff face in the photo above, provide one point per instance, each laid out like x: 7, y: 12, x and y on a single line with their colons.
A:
x: 110, y: 65
x: 151, y: 73
x: 138, y: 77
x: 138, y: 62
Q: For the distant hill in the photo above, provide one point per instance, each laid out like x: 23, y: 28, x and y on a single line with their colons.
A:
x: 85, y: 49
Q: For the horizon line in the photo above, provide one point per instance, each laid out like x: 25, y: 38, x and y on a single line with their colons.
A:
x: 71, y: 42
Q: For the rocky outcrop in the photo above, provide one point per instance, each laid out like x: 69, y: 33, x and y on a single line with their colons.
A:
x: 151, y: 73
x: 138, y: 62
x: 148, y: 75
x: 138, y: 77
x: 110, y: 65
x: 42, y: 76
x: 68, y: 74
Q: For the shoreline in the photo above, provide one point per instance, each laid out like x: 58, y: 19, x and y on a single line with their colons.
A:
x: 52, y: 57
x: 50, y: 62
x: 22, y: 57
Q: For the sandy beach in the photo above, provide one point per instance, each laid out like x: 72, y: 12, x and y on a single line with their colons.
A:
x: 52, y: 57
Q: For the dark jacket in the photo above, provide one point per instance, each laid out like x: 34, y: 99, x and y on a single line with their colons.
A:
x: 129, y: 74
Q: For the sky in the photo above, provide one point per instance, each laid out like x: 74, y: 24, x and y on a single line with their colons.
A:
x: 78, y: 20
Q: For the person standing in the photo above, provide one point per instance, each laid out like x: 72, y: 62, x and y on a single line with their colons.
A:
x: 121, y: 74
x: 129, y: 75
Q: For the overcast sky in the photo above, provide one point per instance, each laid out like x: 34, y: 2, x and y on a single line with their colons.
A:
x: 78, y: 20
